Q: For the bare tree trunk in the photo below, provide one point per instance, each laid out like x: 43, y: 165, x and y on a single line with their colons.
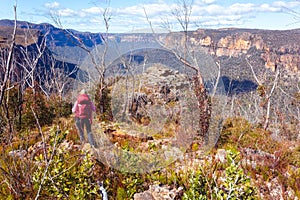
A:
x: 267, y: 120
x: 265, y: 96
x: 204, y: 105
x: 9, y: 66
x: 182, y: 13
x: 100, y: 67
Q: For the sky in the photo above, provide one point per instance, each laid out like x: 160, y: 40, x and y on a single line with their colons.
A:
x: 129, y: 16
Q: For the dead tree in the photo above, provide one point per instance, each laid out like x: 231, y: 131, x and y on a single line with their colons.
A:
x: 265, y: 94
x: 182, y: 14
x: 96, y: 77
x: 56, y: 77
x: 30, y: 58
x: 7, y: 65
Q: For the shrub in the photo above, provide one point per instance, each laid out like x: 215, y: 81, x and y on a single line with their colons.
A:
x: 63, y: 174
x: 11, y: 109
x: 60, y: 107
x: 103, y: 103
x: 36, y: 103
x: 2, y: 126
x: 15, y: 177
x: 218, y: 181
x: 240, y: 133
x: 294, y: 180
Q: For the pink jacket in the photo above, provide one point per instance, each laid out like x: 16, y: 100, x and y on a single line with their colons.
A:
x: 75, y: 105
x: 75, y: 109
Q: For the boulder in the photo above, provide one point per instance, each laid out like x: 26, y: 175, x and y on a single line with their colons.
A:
x: 159, y: 192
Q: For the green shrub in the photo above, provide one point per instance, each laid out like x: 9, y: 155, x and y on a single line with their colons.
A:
x: 15, y: 176
x: 63, y: 174
x: 103, y: 103
x: 132, y: 184
x: 220, y: 181
x: 36, y: 103
x: 60, y: 107
x: 240, y: 133
x: 10, y: 111
x: 121, y: 194
x: 294, y: 181
x: 2, y: 126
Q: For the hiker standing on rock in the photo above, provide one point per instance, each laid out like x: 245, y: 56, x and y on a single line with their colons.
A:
x: 83, y: 109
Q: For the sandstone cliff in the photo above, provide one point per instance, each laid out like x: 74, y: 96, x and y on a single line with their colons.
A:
x: 275, y: 47
x: 24, y: 37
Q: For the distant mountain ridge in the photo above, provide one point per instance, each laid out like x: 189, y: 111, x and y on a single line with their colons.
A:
x: 29, y: 38
x: 266, y: 49
x: 282, y: 45
x: 276, y: 47
x: 56, y: 36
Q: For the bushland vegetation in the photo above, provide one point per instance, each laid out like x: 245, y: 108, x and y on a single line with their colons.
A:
x: 257, y: 155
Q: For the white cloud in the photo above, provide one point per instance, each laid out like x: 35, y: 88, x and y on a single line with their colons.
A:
x: 290, y: 4
x: 93, y: 10
x: 132, y: 10
x: 213, y: 9
x: 208, y: 1
x: 204, y: 12
x: 207, y: 12
x: 239, y: 8
x: 67, y: 12
x: 158, y: 9
x: 201, y: 2
x: 268, y: 8
x: 52, y: 5
x: 157, y: 2
x: 215, y: 21
x: 138, y: 10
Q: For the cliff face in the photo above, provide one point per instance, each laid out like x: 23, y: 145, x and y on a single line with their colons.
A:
x: 275, y: 47
x: 23, y: 37
x: 271, y: 47
x: 55, y: 36
x: 28, y: 44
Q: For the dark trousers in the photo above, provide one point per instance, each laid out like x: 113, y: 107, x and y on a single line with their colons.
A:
x: 82, y: 124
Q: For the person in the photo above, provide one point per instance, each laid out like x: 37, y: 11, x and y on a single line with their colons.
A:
x: 83, y: 109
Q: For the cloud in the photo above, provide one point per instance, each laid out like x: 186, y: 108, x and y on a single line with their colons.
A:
x: 93, y: 10
x: 210, y: 9
x: 209, y: 14
x: 240, y: 8
x: 204, y: 13
x: 268, y: 8
x: 67, y: 12
x: 290, y: 4
x: 52, y: 5
x: 132, y: 10
x: 201, y: 2
x: 221, y: 20
x: 153, y: 9
x: 208, y: 1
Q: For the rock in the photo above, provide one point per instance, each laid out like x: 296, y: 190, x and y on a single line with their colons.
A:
x: 290, y: 194
x: 122, y: 135
x: 254, y: 157
x: 221, y: 155
x: 89, y: 149
x: 67, y: 145
x: 143, y: 196
x: 157, y: 192
x: 172, y: 153
x: 37, y: 148
x: 18, y: 154
x: 275, y: 189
